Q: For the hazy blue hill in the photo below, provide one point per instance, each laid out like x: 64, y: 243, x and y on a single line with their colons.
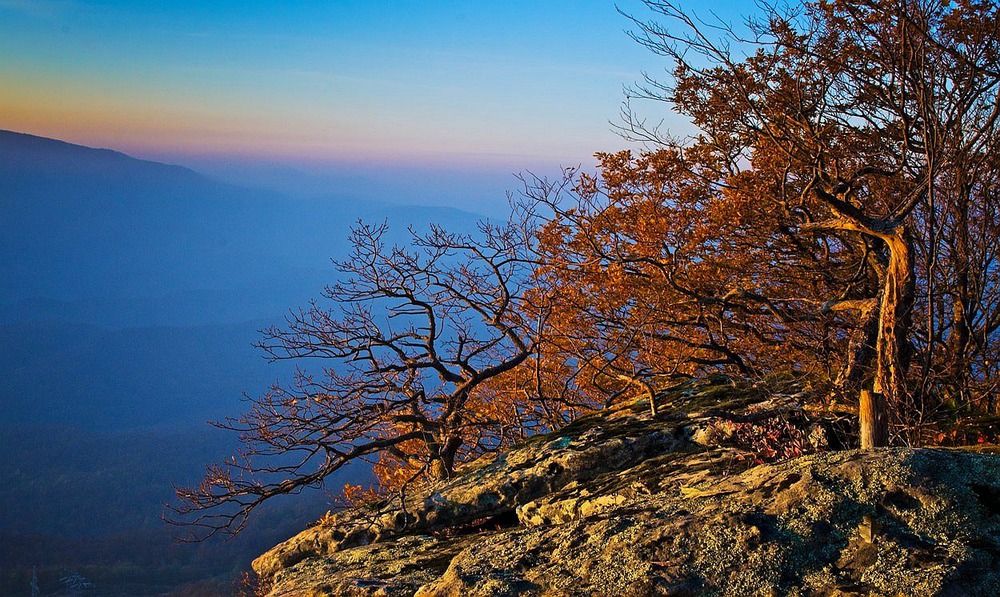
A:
x: 101, y: 233
x: 132, y: 291
x: 81, y: 222
x: 127, y: 378
x: 91, y: 502
x: 130, y: 295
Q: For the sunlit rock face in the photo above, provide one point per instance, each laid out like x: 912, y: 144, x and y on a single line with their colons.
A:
x: 621, y: 504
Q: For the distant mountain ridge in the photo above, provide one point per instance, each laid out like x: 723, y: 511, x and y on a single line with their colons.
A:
x: 95, y: 225
x: 130, y: 294
x: 134, y: 283
x: 16, y: 148
x: 81, y: 223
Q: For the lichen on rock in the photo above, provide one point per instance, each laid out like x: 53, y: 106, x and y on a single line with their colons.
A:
x: 621, y: 504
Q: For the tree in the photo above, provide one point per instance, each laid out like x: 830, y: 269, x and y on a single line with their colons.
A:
x: 836, y: 213
x: 409, y: 346
x: 659, y: 277
x: 842, y: 146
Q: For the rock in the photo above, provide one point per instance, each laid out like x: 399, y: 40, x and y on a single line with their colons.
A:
x: 488, y: 492
x: 385, y: 569
x: 619, y: 504
x: 905, y: 521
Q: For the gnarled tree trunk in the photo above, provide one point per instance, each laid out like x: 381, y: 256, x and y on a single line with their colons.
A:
x: 895, y: 311
x: 861, y: 351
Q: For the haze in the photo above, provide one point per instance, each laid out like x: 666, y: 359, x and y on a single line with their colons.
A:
x: 452, y: 94
x: 131, y: 289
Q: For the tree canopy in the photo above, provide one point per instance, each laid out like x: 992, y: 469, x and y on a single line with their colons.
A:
x: 836, y: 210
x: 835, y: 214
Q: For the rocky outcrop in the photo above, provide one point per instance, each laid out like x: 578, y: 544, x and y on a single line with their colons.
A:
x: 620, y: 504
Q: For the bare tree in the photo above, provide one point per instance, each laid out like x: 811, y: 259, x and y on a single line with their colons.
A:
x: 410, y: 338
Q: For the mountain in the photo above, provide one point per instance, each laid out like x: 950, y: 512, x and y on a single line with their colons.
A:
x: 130, y: 295
x: 132, y: 290
x: 96, y: 236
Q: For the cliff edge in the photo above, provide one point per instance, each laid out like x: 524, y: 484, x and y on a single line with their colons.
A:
x: 732, y: 490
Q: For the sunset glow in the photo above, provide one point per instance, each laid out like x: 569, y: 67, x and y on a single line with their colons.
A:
x: 455, y: 82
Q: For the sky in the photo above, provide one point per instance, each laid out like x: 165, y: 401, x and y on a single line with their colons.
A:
x: 450, y: 85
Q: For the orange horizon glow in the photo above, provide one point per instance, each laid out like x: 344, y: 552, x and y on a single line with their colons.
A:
x: 449, y: 84
x: 148, y: 128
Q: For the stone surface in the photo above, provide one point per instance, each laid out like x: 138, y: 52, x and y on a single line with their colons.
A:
x: 618, y: 504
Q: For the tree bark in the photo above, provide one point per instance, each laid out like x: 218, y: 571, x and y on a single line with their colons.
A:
x: 442, y: 465
x: 961, y: 333
x: 895, y: 307
x: 872, y: 419
x: 861, y: 350
x: 895, y: 311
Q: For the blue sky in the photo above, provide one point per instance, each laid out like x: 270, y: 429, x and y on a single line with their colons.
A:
x: 500, y: 86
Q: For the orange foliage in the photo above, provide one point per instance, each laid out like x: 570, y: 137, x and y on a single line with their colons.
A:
x: 355, y: 496
x: 657, y: 273
x: 836, y: 214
